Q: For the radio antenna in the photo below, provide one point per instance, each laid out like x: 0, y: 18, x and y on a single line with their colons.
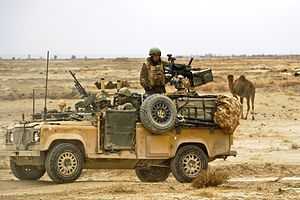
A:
x: 46, y: 88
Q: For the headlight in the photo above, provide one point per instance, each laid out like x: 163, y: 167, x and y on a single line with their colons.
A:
x: 9, y: 137
x: 36, y: 136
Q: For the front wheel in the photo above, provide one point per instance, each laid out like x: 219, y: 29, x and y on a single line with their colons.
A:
x: 26, y: 172
x: 64, y: 163
x: 188, y: 162
x: 152, y: 174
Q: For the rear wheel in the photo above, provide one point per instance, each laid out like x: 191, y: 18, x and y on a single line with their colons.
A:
x: 152, y: 174
x: 26, y: 172
x: 189, y: 161
x: 64, y: 163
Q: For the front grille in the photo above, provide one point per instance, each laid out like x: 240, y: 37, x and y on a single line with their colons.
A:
x: 22, y: 137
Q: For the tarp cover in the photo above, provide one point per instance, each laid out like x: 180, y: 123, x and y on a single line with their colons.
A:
x: 228, y: 113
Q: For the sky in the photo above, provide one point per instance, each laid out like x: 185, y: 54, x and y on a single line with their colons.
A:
x: 107, y: 28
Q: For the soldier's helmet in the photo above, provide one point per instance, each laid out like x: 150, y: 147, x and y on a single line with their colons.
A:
x: 125, y: 92
x: 154, y: 52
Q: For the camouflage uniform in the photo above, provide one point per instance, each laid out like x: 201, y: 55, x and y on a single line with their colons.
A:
x: 228, y: 113
x: 152, y: 76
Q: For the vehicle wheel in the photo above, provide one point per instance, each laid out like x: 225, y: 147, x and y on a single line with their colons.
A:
x: 64, y: 163
x: 152, y: 174
x: 188, y: 163
x: 158, y: 113
x: 26, y: 172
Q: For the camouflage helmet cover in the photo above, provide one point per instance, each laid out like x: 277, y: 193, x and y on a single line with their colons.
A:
x: 154, y: 51
x: 125, y: 91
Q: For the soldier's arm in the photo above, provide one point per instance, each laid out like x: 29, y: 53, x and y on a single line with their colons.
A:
x: 144, y: 76
x: 164, y: 62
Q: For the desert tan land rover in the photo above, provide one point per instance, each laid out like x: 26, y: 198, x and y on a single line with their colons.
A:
x: 158, y: 143
x: 160, y: 134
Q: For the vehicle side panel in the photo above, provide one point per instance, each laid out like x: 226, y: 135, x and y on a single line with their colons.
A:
x: 165, y: 145
x: 87, y: 135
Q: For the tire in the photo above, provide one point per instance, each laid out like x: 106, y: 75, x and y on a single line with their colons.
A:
x: 188, y: 162
x: 152, y: 174
x: 64, y: 163
x: 158, y: 113
x: 26, y: 172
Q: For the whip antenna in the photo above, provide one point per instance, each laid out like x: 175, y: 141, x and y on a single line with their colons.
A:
x: 46, y: 88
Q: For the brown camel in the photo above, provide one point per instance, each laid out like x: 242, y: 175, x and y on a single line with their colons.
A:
x: 244, y: 89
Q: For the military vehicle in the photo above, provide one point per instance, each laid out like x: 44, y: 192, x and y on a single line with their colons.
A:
x: 173, y: 133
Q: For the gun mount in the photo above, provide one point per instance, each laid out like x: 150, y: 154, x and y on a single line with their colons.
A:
x: 196, y: 76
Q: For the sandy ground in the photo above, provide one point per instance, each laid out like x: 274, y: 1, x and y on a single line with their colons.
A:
x: 268, y: 161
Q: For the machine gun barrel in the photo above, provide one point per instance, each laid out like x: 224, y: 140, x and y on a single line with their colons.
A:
x: 191, y: 60
x: 78, y: 86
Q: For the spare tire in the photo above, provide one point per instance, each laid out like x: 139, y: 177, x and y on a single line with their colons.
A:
x: 158, y: 113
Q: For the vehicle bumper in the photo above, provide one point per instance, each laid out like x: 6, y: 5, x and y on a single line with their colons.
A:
x: 21, y: 153
x: 36, y: 158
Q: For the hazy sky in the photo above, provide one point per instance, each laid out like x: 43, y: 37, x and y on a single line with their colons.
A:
x: 130, y: 28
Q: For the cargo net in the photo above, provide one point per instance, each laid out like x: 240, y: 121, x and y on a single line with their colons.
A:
x: 228, y: 113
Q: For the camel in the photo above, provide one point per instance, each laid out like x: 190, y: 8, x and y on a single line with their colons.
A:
x: 244, y: 89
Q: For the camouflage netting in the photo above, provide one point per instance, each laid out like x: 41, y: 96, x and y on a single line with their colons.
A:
x: 228, y: 113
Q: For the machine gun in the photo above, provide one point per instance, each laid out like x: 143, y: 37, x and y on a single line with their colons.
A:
x: 78, y: 86
x: 196, y: 77
x: 90, y: 102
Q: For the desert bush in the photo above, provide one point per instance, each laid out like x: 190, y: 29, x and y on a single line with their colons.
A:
x: 295, y: 146
x: 211, y: 177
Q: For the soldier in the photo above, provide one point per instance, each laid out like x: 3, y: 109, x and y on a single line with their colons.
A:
x: 123, y: 101
x: 152, y: 76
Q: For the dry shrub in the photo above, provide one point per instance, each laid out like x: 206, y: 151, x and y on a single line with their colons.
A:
x: 210, y: 178
x: 295, y: 146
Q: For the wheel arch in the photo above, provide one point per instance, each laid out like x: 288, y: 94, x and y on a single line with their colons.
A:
x: 63, y: 138
x: 78, y: 143
x: 200, y: 144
